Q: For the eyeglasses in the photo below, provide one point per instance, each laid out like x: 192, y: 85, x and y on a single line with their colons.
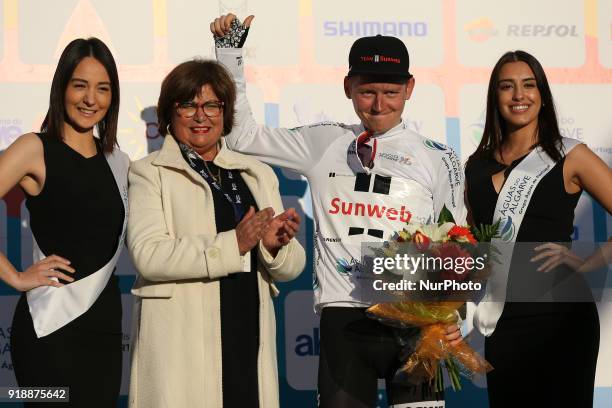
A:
x: 188, y: 109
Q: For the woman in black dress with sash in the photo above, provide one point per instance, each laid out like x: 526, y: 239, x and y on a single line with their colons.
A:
x: 71, y: 180
x: 543, y: 354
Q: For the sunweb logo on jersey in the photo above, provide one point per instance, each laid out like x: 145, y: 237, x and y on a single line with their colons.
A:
x: 358, y: 209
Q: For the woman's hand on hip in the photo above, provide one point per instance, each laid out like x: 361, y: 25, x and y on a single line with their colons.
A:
x: 40, y: 274
x: 553, y: 255
x: 252, y: 228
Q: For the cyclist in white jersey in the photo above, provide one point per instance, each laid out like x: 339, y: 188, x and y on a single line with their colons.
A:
x: 367, y: 181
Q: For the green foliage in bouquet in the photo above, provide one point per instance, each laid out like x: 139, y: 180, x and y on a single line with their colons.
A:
x: 445, y: 216
x: 482, y: 233
x: 486, y: 232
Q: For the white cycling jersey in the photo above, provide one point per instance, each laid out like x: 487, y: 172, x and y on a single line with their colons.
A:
x: 412, y: 179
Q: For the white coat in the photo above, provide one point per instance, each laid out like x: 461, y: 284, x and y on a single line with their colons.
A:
x: 176, y: 350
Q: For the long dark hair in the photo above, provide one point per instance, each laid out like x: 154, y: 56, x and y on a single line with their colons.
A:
x: 186, y: 80
x: 495, y: 130
x: 72, y: 55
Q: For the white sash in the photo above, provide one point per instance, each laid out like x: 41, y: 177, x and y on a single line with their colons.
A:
x: 52, y: 308
x: 512, y: 204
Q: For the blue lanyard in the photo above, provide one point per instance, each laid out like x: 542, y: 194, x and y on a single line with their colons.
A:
x: 197, y: 163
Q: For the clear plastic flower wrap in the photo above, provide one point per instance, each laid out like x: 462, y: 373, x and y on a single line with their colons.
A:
x: 425, y: 355
x: 422, y: 360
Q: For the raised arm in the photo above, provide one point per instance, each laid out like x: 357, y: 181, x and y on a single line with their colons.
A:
x: 299, y: 148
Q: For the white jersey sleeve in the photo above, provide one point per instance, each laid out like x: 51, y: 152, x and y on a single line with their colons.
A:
x: 298, y: 149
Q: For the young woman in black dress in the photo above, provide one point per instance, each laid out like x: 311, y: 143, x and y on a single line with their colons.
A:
x: 543, y: 354
x: 77, y: 215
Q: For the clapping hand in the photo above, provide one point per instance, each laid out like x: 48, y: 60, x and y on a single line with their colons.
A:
x: 281, y: 230
x: 252, y: 228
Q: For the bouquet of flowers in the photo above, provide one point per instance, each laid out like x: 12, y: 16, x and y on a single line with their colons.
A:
x: 448, y: 246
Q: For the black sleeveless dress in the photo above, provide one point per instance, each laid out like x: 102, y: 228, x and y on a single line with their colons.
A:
x: 543, y: 354
x: 78, y: 215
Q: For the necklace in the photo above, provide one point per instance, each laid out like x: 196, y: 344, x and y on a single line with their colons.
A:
x: 216, y: 177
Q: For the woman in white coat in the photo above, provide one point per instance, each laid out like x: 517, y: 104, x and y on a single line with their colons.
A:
x: 208, y: 247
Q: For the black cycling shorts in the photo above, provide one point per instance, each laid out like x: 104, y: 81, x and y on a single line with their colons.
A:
x: 355, y: 352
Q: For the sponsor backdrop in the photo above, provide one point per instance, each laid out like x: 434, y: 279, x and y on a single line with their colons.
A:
x: 296, y: 57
